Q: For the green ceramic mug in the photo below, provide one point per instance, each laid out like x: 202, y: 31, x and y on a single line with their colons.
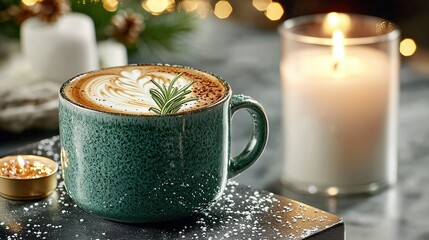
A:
x: 132, y: 167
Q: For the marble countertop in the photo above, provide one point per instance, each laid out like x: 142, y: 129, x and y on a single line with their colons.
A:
x: 248, y: 58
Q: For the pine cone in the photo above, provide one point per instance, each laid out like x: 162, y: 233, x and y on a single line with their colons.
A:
x: 50, y: 10
x: 127, y: 26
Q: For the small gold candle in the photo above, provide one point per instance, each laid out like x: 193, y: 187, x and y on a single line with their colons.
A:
x: 27, y: 177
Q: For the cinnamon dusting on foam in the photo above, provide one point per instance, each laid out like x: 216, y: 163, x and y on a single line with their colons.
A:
x: 125, y: 90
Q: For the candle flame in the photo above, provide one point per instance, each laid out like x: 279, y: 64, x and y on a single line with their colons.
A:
x: 338, y: 45
x: 337, y: 48
x: 336, y: 25
x: 21, y: 161
x: 334, y: 21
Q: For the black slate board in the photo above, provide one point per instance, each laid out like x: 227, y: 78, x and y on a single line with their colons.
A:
x: 241, y: 213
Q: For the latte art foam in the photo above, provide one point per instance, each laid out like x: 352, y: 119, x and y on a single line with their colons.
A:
x: 126, y: 90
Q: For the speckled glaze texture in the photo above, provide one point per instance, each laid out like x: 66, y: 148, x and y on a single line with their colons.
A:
x: 149, y: 168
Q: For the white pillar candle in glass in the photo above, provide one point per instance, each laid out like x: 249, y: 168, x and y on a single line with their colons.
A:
x: 339, y: 77
x: 60, y: 50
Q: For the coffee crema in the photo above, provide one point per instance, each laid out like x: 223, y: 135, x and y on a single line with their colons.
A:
x: 125, y: 90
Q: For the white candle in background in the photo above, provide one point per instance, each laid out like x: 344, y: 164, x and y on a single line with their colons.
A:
x: 336, y: 118
x: 112, y: 53
x: 60, y: 50
x: 339, y: 115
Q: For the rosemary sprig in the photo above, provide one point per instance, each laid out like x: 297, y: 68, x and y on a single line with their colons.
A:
x: 170, y: 99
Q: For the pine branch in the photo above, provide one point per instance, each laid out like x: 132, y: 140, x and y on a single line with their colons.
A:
x: 170, y: 99
x: 166, y: 31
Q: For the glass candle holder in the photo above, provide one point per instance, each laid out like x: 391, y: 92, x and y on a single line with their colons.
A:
x: 339, y: 77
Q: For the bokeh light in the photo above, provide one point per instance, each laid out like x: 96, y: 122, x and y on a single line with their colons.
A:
x: 407, y: 47
x: 274, y: 11
x: 261, y: 5
x: 222, y: 9
x: 30, y: 2
x: 110, y: 5
x: 157, y: 7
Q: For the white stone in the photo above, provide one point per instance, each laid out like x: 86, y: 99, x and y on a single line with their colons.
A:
x: 26, y: 100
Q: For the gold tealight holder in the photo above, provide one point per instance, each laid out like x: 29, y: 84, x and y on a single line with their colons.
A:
x: 27, y: 177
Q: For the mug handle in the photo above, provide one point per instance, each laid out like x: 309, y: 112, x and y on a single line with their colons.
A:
x: 259, y: 139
